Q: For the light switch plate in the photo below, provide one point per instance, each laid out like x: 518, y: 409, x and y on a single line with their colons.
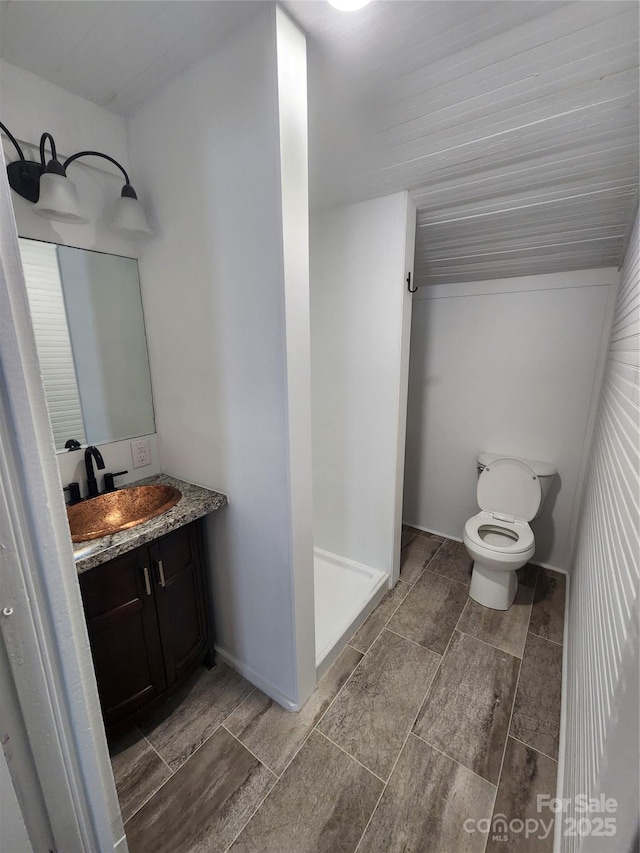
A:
x: 140, y: 452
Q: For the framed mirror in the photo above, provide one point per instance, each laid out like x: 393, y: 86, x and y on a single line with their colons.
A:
x: 87, y: 317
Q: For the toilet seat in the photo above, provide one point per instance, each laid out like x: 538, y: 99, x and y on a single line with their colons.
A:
x: 511, y: 488
x: 520, y: 529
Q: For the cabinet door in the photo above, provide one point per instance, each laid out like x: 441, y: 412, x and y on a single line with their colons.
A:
x: 180, y: 599
x: 123, y: 632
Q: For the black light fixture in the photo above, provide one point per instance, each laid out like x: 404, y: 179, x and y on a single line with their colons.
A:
x: 55, y: 197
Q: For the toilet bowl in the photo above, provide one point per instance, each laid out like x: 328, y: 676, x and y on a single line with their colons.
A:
x: 510, y: 494
x: 498, y: 549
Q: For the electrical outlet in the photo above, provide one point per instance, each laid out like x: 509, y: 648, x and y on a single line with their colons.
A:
x: 140, y: 452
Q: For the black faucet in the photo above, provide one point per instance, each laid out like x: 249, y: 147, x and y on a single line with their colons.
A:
x: 92, y: 483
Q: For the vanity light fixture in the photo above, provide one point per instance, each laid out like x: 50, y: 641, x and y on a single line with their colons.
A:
x: 55, y: 196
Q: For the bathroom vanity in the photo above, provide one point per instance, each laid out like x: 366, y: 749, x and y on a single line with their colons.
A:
x: 144, y: 592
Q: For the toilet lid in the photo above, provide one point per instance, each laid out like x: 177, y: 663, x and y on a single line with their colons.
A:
x: 511, y: 487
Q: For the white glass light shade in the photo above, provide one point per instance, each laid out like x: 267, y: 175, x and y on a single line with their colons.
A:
x: 348, y: 5
x: 130, y: 219
x: 58, y: 199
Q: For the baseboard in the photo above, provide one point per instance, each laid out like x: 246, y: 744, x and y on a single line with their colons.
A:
x: 551, y: 568
x: 432, y: 532
x: 562, y: 741
x: 257, y: 680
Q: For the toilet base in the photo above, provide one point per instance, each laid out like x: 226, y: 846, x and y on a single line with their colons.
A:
x: 495, y: 589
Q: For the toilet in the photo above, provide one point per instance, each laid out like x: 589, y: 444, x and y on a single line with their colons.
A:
x: 511, y: 492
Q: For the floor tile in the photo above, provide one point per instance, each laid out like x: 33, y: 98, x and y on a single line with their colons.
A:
x: 525, y: 775
x: 205, y: 804
x: 466, y: 713
x: 547, y: 615
x: 505, y: 629
x: 528, y: 575
x: 370, y: 630
x: 408, y: 534
x: 138, y: 771
x: 275, y: 735
x: 183, y: 723
x: 536, y: 713
x: 373, y: 713
x: 430, y: 611
x: 416, y: 555
x: 425, y: 805
x: 326, y: 795
x: 321, y: 804
x: 453, y: 561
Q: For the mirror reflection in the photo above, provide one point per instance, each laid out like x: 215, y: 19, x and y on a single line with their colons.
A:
x: 87, y: 316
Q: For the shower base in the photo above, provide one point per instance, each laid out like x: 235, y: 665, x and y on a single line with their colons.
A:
x: 345, y: 594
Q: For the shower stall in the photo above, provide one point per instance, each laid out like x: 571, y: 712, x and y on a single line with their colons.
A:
x: 361, y: 256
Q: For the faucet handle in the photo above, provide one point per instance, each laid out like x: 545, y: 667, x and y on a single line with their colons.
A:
x: 108, y: 480
x: 74, y: 492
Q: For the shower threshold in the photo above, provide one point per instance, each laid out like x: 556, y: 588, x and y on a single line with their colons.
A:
x: 345, y: 594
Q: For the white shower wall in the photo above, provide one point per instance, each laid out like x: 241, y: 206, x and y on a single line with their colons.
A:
x: 360, y: 256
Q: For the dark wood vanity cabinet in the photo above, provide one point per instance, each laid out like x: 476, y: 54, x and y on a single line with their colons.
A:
x: 147, y: 621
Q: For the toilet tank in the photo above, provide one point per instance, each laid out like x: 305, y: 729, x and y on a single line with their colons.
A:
x: 545, y: 471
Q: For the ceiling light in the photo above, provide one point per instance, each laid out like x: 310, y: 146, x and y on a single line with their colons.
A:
x: 348, y: 5
x: 55, y: 196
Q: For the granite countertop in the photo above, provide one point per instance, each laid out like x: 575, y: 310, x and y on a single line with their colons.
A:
x: 195, y: 502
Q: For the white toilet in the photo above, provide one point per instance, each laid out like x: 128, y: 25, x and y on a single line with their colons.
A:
x: 510, y: 494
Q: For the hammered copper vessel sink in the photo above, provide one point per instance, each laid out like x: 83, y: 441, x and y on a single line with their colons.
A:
x: 119, y: 510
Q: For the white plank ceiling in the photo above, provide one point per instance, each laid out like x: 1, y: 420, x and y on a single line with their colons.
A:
x: 513, y: 124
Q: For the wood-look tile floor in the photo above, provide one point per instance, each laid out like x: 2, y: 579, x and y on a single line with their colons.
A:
x: 433, y: 732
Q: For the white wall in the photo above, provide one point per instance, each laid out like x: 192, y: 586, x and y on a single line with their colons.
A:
x: 291, y: 60
x: 13, y: 832
x: 225, y: 287
x: 601, y: 751
x: 506, y: 366
x: 360, y: 317
x: 30, y: 106
x: 117, y: 457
